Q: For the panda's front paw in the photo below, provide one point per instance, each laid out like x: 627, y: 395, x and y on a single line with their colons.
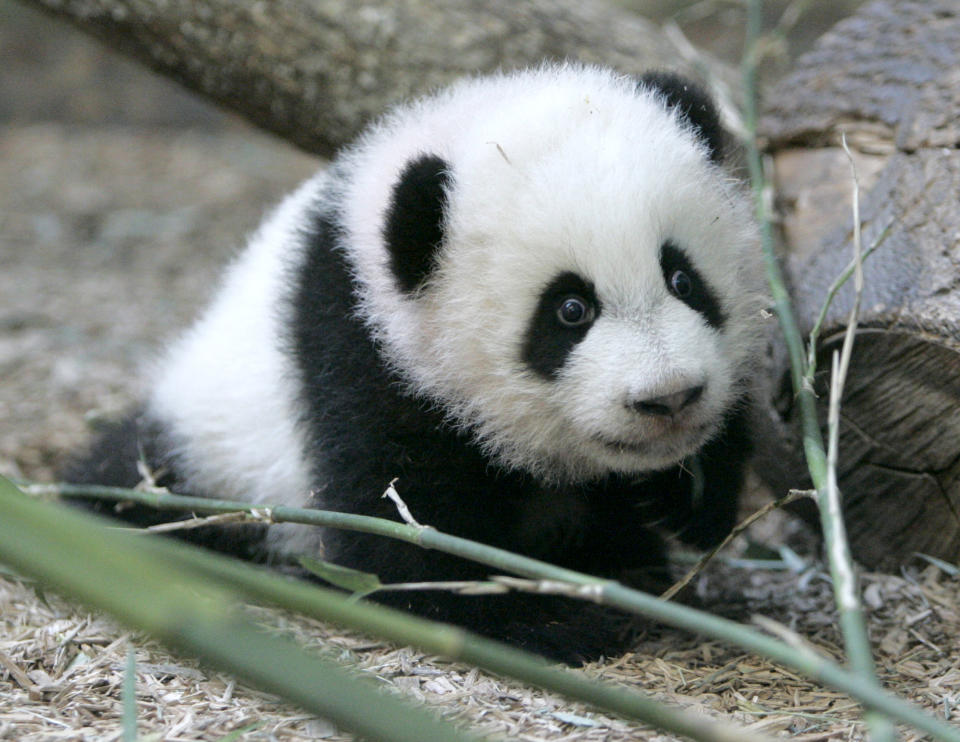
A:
x: 589, y: 633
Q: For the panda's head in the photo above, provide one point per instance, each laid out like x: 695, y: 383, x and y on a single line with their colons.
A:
x: 556, y: 259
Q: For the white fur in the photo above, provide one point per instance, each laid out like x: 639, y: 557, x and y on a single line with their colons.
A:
x: 226, y: 392
x: 563, y: 168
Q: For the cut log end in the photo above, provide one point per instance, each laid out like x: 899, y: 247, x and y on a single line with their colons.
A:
x: 900, y: 447
x: 899, y: 466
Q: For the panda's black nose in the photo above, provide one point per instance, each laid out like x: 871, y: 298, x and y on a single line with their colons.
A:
x: 668, y: 405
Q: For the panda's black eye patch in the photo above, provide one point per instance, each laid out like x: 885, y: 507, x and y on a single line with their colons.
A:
x: 566, y: 309
x: 686, y: 284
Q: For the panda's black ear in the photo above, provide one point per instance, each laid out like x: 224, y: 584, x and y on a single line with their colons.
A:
x: 693, y: 103
x: 414, y: 225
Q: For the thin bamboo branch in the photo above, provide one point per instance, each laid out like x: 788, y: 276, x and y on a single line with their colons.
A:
x: 702, y: 562
x: 852, y: 621
x: 221, y: 519
x: 838, y: 283
x: 183, y: 595
x: 845, y: 588
x: 807, y: 662
x: 147, y: 589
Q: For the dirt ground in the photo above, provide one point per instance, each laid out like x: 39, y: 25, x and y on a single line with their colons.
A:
x: 111, y: 240
x: 113, y: 227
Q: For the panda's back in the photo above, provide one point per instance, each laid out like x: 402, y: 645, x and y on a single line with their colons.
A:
x: 225, y: 394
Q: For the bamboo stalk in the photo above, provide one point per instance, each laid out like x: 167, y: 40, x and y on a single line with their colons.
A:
x: 805, y: 661
x: 129, y: 698
x: 845, y: 585
x: 171, y: 575
x: 455, y: 644
x: 107, y: 570
x: 822, y: 473
x: 782, y: 306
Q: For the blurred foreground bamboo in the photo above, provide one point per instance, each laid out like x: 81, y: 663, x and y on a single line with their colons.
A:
x: 456, y: 644
x: 188, y: 598
x: 148, y: 590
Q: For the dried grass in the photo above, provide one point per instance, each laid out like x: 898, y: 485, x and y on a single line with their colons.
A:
x: 61, y: 669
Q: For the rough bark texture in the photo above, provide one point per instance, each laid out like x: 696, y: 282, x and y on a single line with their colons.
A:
x: 313, y: 71
x: 889, y: 72
x: 890, y: 78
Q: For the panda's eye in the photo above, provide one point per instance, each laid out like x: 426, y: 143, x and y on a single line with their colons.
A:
x: 574, y: 312
x: 681, y: 284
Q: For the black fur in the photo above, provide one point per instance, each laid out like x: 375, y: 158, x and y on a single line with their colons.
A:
x: 369, y: 431
x: 414, y: 225
x: 112, y: 460
x: 701, y: 297
x: 694, y: 104
x: 548, y: 342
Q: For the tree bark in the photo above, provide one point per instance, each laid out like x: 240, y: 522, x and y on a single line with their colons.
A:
x: 888, y: 78
x: 314, y: 71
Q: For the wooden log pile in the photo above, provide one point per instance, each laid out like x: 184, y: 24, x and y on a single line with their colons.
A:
x: 889, y: 79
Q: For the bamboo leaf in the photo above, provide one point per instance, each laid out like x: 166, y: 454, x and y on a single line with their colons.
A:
x: 357, y: 582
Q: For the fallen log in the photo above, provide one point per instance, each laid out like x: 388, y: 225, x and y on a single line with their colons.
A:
x: 314, y: 71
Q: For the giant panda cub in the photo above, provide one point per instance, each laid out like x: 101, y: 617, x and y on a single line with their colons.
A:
x: 531, y: 299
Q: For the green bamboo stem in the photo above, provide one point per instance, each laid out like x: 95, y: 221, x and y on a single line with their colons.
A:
x: 448, y: 641
x: 782, y: 305
x: 804, y: 661
x: 108, y: 570
x: 129, y: 698
x: 195, y: 569
x: 852, y: 622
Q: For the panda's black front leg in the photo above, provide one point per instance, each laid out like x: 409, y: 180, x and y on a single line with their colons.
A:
x: 503, y: 513
x: 596, y: 531
x: 706, y: 506
x: 621, y: 532
x: 564, y: 629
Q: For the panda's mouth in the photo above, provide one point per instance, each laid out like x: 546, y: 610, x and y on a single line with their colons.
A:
x: 679, y: 442
x: 623, y: 446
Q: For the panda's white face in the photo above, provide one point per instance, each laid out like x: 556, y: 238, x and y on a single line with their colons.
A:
x: 591, y: 300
